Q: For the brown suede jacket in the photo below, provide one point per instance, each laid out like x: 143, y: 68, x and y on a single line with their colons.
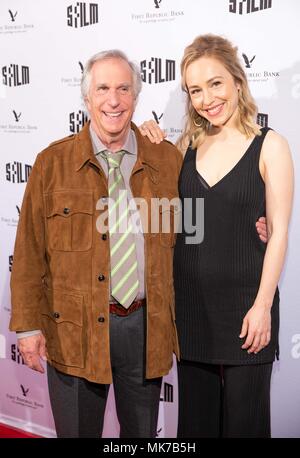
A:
x: 61, y: 268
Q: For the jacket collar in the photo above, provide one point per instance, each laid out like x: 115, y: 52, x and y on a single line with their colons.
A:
x: 84, y: 153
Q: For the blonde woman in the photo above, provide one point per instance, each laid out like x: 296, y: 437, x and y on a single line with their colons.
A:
x: 227, y: 300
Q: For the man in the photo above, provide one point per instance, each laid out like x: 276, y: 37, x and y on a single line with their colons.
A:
x: 68, y: 304
x: 62, y: 281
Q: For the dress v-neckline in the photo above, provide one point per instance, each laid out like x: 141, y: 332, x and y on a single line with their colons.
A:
x: 209, y: 187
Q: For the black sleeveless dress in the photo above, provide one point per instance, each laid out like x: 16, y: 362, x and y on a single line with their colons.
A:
x: 216, y: 281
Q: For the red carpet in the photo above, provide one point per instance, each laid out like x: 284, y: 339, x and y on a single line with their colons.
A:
x: 10, y: 432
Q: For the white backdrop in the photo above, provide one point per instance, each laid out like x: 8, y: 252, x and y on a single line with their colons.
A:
x: 42, y: 48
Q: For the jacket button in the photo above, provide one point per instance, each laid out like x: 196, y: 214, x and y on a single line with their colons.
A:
x: 56, y: 315
x: 101, y: 277
x: 104, y: 236
x: 66, y: 211
x: 101, y: 319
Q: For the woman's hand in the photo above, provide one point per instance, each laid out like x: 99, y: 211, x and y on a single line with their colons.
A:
x: 257, y: 327
x: 152, y: 130
x: 261, y: 227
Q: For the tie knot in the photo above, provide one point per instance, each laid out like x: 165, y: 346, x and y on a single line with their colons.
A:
x: 113, y: 159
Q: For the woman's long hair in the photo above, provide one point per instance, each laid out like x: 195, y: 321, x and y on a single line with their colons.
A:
x: 197, y: 127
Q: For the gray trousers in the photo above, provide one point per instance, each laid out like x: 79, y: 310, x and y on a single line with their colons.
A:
x: 78, y: 406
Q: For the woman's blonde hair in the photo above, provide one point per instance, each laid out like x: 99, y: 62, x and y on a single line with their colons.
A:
x: 196, y: 127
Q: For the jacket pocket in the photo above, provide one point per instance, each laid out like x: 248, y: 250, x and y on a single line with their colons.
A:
x: 62, y: 322
x: 69, y: 220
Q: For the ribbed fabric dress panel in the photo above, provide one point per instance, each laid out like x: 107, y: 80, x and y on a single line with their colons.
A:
x: 216, y: 281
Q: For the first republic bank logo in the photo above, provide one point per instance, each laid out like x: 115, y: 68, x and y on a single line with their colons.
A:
x: 12, y: 15
x: 259, y: 75
x: 17, y: 115
x: 170, y: 131
x: 160, y: 12
x: 24, y: 390
x: 248, y: 6
x: 82, y: 14
x: 248, y: 61
x: 15, y: 25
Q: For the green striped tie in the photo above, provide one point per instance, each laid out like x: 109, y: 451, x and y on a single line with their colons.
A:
x: 124, y: 273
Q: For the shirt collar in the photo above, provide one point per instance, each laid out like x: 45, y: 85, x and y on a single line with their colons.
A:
x: 128, y: 146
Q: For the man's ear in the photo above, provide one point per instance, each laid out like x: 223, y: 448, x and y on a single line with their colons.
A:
x: 87, y: 103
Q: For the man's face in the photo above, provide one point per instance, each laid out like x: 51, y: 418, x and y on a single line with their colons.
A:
x: 111, y: 99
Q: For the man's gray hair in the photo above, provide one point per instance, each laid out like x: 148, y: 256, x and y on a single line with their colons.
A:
x: 112, y: 53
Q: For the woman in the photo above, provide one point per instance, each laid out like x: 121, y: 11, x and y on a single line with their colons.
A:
x: 227, y: 300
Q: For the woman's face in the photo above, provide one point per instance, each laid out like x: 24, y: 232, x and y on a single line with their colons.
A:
x: 213, y: 91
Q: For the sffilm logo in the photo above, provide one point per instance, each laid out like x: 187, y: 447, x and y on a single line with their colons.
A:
x: 82, y: 14
x: 77, y: 121
x: 248, y: 6
x: 16, y: 356
x: 157, y: 71
x: 16, y: 172
x: 262, y: 119
x: 168, y: 393
x: 15, y: 75
x: 10, y: 262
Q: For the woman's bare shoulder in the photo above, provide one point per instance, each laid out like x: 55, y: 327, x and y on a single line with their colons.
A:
x: 275, y: 144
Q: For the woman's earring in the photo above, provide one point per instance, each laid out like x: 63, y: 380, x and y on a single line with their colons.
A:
x: 197, y: 125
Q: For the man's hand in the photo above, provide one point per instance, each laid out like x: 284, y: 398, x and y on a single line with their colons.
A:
x: 32, y: 349
x: 261, y: 227
x: 152, y: 130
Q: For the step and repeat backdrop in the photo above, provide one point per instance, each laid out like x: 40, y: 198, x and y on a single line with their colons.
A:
x: 43, y: 48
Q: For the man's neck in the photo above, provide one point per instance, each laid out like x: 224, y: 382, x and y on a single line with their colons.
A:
x: 112, y: 143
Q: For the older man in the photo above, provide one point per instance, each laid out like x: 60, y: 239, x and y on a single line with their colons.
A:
x: 98, y: 304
